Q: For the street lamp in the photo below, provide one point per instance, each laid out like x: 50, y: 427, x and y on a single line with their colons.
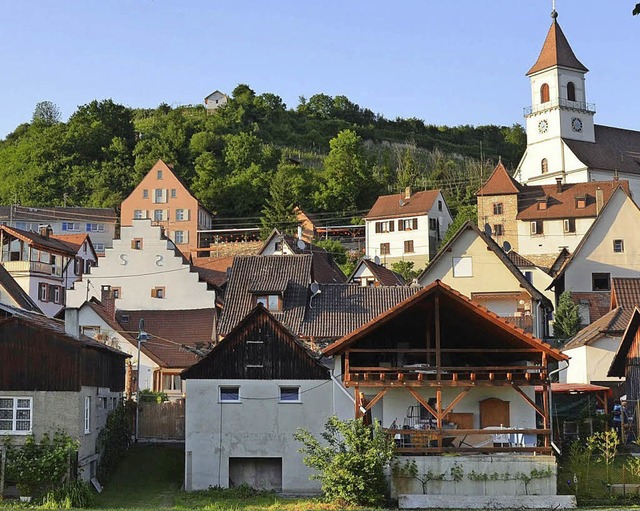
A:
x: 142, y: 337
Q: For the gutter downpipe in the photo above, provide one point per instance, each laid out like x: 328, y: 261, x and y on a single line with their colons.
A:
x: 555, y: 371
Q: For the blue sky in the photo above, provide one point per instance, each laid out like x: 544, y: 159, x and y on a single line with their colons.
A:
x: 446, y: 62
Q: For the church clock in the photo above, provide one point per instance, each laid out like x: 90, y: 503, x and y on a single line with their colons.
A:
x: 543, y: 126
x: 576, y: 124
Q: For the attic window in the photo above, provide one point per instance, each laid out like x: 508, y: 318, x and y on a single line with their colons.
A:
x: 542, y: 204
x: 581, y: 202
x: 439, y: 205
x: 124, y: 318
x: 270, y: 302
x: 618, y: 246
x: 159, y: 174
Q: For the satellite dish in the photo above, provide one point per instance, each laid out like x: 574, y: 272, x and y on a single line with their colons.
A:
x: 376, y: 260
x: 506, y: 246
x: 302, y: 245
x: 487, y: 229
x: 315, y: 288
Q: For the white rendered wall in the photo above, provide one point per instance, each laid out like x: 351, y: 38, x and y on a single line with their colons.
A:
x: 553, y: 239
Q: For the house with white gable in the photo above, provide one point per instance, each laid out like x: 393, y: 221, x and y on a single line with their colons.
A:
x: 215, y: 100
x: 609, y: 249
x: 406, y: 227
x: 563, y: 141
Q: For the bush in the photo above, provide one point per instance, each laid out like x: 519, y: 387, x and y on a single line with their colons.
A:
x: 114, y: 439
x: 352, y: 463
x: 76, y: 494
x: 149, y: 396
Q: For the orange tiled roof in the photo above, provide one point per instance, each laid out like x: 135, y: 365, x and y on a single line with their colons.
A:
x: 397, y: 206
x: 556, y: 51
x: 500, y: 183
x: 74, y: 241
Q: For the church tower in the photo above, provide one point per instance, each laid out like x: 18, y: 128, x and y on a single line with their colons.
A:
x: 559, y: 110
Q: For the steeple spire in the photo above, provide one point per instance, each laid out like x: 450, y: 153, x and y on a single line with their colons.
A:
x: 556, y: 50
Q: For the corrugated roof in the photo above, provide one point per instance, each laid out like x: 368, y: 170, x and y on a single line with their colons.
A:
x: 500, y: 182
x: 340, y: 309
x: 556, y: 51
x: 563, y: 203
x: 397, y: 206
x: 615, y: 150
x: 291, y: 274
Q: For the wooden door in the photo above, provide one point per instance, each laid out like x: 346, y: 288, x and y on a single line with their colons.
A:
x: 494, y: 412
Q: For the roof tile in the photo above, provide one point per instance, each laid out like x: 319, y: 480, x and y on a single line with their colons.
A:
x: 397, y: 205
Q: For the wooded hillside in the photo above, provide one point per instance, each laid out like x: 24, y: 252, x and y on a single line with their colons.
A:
x: 327, y: 154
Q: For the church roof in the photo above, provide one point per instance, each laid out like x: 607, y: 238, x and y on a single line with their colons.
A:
x: 556, y: 51
x: 500, y: 183
x: 615, y: 149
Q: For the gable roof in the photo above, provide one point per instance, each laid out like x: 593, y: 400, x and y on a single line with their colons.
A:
x: 294, y: 360
x: 612, y: 323
x: 584, y: 239
x: 556, y: 51
x: 625, y: 292
x: 397, y: 206
x: 562, y: 203
x: 385, y: 276
x: 287, y: 274
x: 213, y: 270
x: 500, y: 182
x: 518, y: 260
x: 619, y: 362
x: 438, y: 287
x: 48, y: 243
x: 502, y: 256
x: 15, y: 291
x: 339, y: 309
x: 76, y: 241
x: 172, y: 332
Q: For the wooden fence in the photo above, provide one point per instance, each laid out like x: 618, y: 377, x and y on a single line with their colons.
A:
x: 163, y: 421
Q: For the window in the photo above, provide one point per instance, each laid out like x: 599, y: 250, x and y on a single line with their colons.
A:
x: 439, y: 205
x: 569, y: 225
x: 95, y: 227
x: 529, y: 276
x: 15, y: 415
x: 542, y: 203
x: 537, y: 227
x: 43, y: 292
x: 157, y: 215
x: 159, y: 174
x: 408, y: 246
x: 56, y: 294
x: 139, y: 214
x: 145, y: 194
x: 70, y: 226
x: 571, y: 91
x: 601, y: 281
x: 136, y: 243
x: 544, y: 166
x: 87, y: 414
x: 544, y: 93
x: 99, y: 248
x: 178, y: 237
x: 497, y: 208
x: 171, y: 383
x: 270, y: 302
x: 498, y: 230
x: 462, y: 267
x: 385, y: 249
x: 618, y: 246
x: 158, y: 292
x: 290, y: 394
x: 581, y: 202
x: 230, y: 394
x: 174, y: 193
x: 180, y: 215
x: 433, y: 224
x: 124, y: 318
x: 77, y: 266
x: 117, y: 292
x: 407, y: 224
x: 384, y: 226
x: 159, y: 195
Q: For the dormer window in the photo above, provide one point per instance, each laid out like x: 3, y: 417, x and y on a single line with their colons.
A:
x: 270, y: 302
x: 571, y: 91
x: 542, y: 203
x: 581, y: 202
x: 544, y: 93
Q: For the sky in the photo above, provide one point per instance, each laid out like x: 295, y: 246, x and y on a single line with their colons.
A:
x: 447, y: 62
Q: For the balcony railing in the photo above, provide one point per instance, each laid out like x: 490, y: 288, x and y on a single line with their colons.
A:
x: 523, y: 321
x: 31, y: 267
x: 578, y: 106
x: 489, y: 440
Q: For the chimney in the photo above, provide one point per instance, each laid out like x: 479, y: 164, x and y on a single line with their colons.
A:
x: 45, y: 230
x: 72, y: 322
x: 108, y: 301
x: 599, y: 200
x: 407, y: 192
x: 559, y: 184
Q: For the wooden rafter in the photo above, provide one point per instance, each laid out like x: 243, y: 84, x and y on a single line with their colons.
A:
x: 422, y: 401
x: 529, y: 401
x: 455, y: 401
x: 377, y: 398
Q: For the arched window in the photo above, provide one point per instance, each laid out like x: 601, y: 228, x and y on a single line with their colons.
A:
x: 544, y: 166
x: 571, y: 91
x: 544, y: 93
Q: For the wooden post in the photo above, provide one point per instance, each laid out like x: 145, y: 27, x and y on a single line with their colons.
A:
x: 358, y: 402
x: 545, y: 407
x: 437, y: 324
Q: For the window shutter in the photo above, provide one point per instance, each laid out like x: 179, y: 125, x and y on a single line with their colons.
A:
x: 391, y: 226
x: 400, y: 225
x: 155, y: 196
x: 165, y: 214
x: 153, y: 293
x: 186, y: 214
x: 378, y: 227
x: 165, y: 194
x: 185, y: 236
x: 415, y: 223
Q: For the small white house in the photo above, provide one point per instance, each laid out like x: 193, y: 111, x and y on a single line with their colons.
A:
x: 215, y: 100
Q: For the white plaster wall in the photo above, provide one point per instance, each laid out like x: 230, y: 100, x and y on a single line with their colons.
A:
x: 396, y: 239
x: 541, y: 281
x: 599, y: 357
x: 558, y: 156
x: 30, y: 285
x: 634, y: 181
x: 597, y: 255
x: 577, y: 372
x: 137, y: 272
x: 553, y: 239
x: 258, y: 426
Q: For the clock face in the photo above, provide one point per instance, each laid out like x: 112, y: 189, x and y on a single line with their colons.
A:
x: 576, y: 124
x: 543, y: 126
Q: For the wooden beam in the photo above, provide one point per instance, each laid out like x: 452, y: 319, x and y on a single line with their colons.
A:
x: 377, y: 398
x: 438, y: 340
x: 545, y: 406
x: 422, y: 401
x: 358, y: 402
x: 439, y: 414
x: 455, y: 401
x: 530, y: 401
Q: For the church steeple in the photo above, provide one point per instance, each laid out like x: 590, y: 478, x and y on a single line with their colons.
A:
x: 556, y: 51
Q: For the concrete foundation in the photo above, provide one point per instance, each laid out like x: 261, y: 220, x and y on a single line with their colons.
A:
x: 486, y: 502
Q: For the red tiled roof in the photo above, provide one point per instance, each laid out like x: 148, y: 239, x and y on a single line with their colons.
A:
x: 500, y: 182
x: 46, y: 242
x: 612, y: 323
x: 567, y: 388
x: 73, y: 241
x: 556, y: 51
x: 397, y: 206
x: 625, y: 292
x: 518, y: 260
x: 563, y: 203
x: 213, y: 270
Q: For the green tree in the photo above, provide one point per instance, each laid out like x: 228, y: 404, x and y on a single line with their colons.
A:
x: 636, y: 9
x: 351, y: 462
x: 465, y: 214
x: 567, y: 318
x: 336, y: 249
x: 47, y: 113
x: 405, y: 268
x: 278, y: 210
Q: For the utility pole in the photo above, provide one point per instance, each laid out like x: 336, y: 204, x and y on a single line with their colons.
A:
x: 142, y: 337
